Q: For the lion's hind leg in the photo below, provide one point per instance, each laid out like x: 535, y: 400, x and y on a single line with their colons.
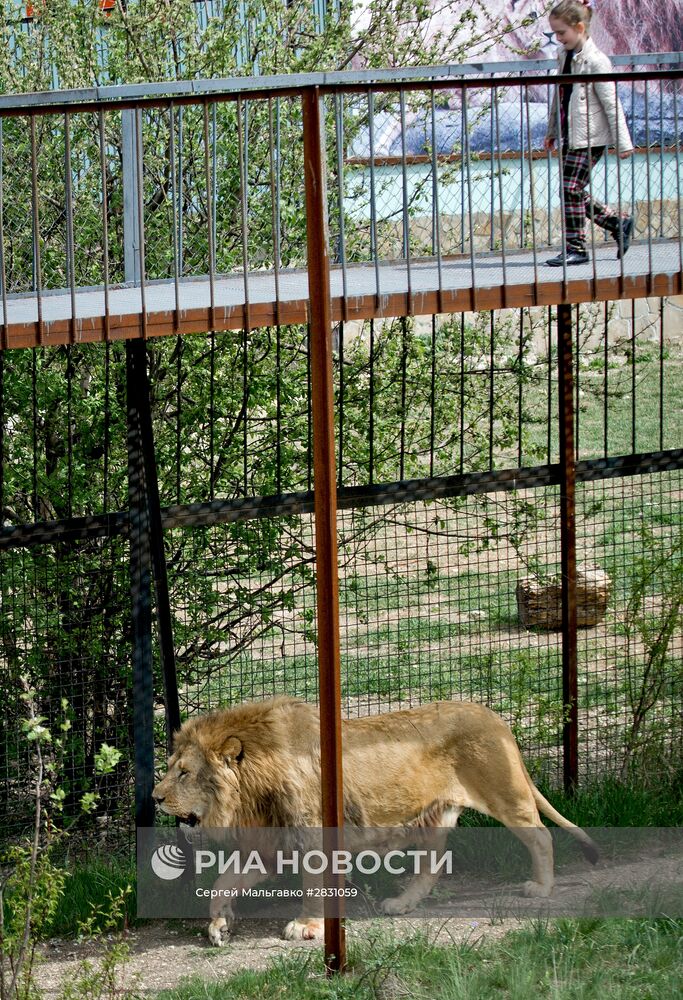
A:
x: 520, y: 815
x: 539, y: 843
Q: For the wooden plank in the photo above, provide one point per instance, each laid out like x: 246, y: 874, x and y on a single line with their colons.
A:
x: 456, y: 295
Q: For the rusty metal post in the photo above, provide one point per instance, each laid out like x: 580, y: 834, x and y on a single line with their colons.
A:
x: 568, y: 545
x: 325, y: 492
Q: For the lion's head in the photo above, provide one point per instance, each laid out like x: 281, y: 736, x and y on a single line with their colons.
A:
x: 202, y: 784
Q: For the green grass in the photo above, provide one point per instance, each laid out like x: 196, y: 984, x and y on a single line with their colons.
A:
x: 88, y: 889
x: 563, y: 960
x: 620, y: 409
x: 591, y: 415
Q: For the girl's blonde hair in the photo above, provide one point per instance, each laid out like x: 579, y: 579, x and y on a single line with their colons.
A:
x: 571, y: 12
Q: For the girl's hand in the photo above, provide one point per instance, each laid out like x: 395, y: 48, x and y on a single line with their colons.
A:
x: 625, y: 153
x: 548, y: 143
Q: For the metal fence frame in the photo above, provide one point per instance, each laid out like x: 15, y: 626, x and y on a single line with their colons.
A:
x: 145, y: 521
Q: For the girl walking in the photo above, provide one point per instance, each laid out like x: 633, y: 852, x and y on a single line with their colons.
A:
x: 590, y: 119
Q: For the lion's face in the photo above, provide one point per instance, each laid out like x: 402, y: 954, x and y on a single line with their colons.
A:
x: 201, y: 786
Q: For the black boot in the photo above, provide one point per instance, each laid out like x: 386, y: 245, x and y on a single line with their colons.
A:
x: 623, y: 235
x: 569, y: 257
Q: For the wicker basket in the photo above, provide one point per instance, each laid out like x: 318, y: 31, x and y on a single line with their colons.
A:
x: 540, y: 604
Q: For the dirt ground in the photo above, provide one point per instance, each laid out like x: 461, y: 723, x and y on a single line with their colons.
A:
x: 640, y: 873
x: 165, y: 952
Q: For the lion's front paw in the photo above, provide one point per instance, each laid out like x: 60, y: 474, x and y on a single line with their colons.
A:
x: 396, y: 906
x: 219, y: 930
x: 305, y: 930
x: 538, y: 890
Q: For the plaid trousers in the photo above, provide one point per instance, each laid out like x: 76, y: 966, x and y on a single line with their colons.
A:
x: 578, y: 204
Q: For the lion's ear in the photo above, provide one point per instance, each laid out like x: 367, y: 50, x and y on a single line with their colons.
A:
x: 231, y: 750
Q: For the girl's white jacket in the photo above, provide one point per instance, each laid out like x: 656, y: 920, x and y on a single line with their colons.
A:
x: 596, y: 117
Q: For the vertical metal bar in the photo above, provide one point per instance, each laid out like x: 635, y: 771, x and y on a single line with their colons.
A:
x: 2, y: 438
x: 661, y: 159
x: 520, y: 390
x: 492, y: 385
x: 34, y: 407
x: 70, y: 255
x: 404, y: 188
x: 605, y: 390
x: 214, y: 175
x: 568, y: 545
x: 462, y: 394
x: 549, y: 421
x: 339, y: 119
x: 634, y: 342
x: 499, y: 170
x: 549, y: 172
x: 373, y: 200
x: 181, y: 177
x: 463, y: 162
x: 37, y: 272
x: 275, y: 207
x: 245, y: 411
x: 107, y: 426
x: 174, y: 215
x: 633, y: 170
x: 342, y: 395
x: 69, y: 431
x: 678, y: 186
x: 492, y: 185
x: 432, y: 400
x: 404, y: 364
x: 139, y: 383
x: 141, y: 220
x: 577, y: 386
x: 131, y: 225
x: 141, y: 609
x: 371, y: 396
x: 589, y: 221
x: 309, y: 416
x: 243, y: 145
x: 278, y: 408
x: 209, y: 221
x: 470, y: 209
x: 560, y: 168
x: 522, y: 150
x: 244, y: 211
x: 179, y: 347
x: 105, y: 226
x: 327, y: 582
x: 532, y: 194
x: 646, y: 106
x: 661, y: 374
x: 436, y: 220
x: 4, y: 337
x: 278, y: 176
x: 212, y: 413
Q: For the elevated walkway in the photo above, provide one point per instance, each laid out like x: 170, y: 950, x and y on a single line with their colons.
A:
x: 359, y: 291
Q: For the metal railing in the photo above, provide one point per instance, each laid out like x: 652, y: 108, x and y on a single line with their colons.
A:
x: 432, y: 176
x: 205, y: 184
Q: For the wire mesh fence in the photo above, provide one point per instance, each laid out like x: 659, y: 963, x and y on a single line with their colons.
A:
x: 449, y: 505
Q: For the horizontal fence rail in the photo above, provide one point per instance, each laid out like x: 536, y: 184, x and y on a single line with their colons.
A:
x: 152, y: 210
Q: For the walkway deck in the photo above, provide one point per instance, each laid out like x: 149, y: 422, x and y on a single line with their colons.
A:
x: 492, y: 282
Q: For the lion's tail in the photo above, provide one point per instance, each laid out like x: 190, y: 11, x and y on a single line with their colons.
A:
x: 586, y: 844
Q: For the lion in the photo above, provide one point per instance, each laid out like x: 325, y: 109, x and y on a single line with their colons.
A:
x: 258, y: 765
